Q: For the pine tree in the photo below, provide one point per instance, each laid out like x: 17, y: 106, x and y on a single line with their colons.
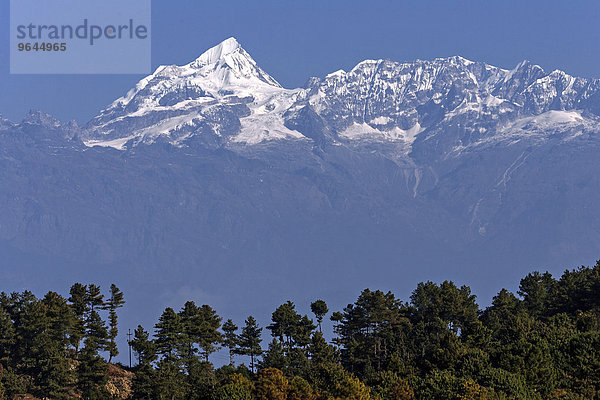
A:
x: 91, y: 370
x: 44, y: 337
x: 56, y: 376
x: 250, y: 339
x: 285, y: 323
x: 19, y: 309
x: 304, y: 331
x: 34, y: 338
x: 145, y: 350
x: 320, y: 351
x: 230, y: 338
x: 319, y: 308
x: 96, y: 339
x: 367, y: 330
x: 337, y: 318
x: 7, y: 337
x: 538, y: 291
x: 190, y: 320
x: 168, y: 333
x: 274, y: 357
x: 208, y: 333
x: 114, y: 302
x: 79, y: 307
x: 170, y: 382
x: 92, y: 367
x: 94, y: 296
x: 91, y: 373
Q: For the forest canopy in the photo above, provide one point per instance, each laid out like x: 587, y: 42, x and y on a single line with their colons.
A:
x: 542, y: 342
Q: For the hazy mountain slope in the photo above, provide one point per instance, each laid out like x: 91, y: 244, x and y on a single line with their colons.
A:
x: 211, y: 182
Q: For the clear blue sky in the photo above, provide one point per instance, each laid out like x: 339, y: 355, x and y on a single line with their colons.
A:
x: 293, y: 40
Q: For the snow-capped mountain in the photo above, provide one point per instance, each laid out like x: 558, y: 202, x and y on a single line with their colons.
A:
x: 223, y: 93
x: 5, y: 123
x: 211, y: 178
x: 224, y: 98
x: 423, y: 98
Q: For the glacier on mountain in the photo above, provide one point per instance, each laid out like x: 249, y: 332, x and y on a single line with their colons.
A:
x: 224, y: 99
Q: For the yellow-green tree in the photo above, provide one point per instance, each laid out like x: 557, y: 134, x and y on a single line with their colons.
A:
x: 271, y: 385
x: 235, y: 387
x: 300, y: 389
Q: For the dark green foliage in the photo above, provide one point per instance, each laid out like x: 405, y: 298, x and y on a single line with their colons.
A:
x: 169, y: 335
x: 115, y: 302
x: 190, y: 325
x: 320, y: 351
x: 274, y: 357
x: 92, y: 367
x: 91, y: 370
x: 143, y: 346
x: 542, y: 344
x: 230, y: 338
x: 208, y: 335
x: 169, y: 381
x: 293, y: 332
x: 337, y: 318
x: 40, y: 343
x: 367, y: 331
x: 92, y: 377
x: 94, y: 297
x: 7, y: 337
x: 285, y: 323
x: 55, y: 376
x: 79, y: 307
x: 145, y: 350
x: 201, y: 381
x: 96, y: 339
x: 319, y: 308
x: 144, y: 382
x: 250, y: 340
x: 12, y: 384
x: 304, y: 331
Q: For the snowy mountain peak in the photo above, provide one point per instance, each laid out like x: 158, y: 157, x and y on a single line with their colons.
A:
x: 455, y: 60
x: 206, y: 97
x: 216, y: 53
x: 37, y: 117
x: 526, y: 64
x: 5, y: 123
x: 228, y: 62
x: 224, y: 98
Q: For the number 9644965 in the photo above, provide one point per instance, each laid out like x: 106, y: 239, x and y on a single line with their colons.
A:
x: 44, y: 46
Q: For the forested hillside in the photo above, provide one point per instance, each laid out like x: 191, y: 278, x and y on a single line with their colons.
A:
x: 541, y: 343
